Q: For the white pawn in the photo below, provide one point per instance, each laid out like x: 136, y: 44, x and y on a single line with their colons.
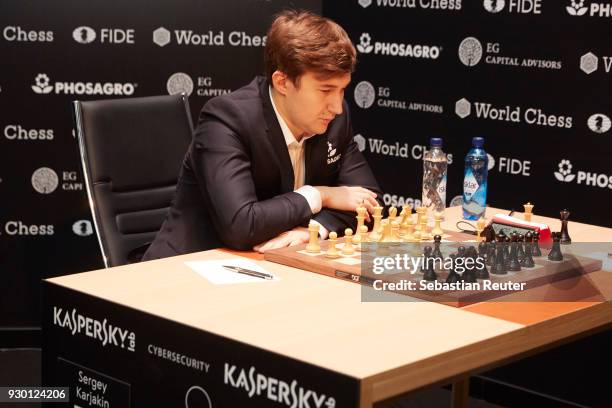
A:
x: 313, y: 246
x: 347, y: 248
x: 332, y: 251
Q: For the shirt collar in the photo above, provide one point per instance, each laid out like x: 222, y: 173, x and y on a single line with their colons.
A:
x: 288, y: 135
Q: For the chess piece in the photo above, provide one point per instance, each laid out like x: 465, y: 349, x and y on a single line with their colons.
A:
x: 555, y: 252
x: 528, y: 211
x: 363, y: 233
x: 499, y: 264
x: 429, y: 274
x: 490, y: 253
x: 356, y: 241
x: 469, y: 276
x: 348, y: 249
x: 395, y: 232
x: 409, y: 233
x: 437, y: 230
x: 374, y: 235
x: 425, y: 235
x: 521, y: 249
x: 565, y: 238
x: 536, y: 250
x: 437, y: 254
x: 420, y: 212
x: 528, y: 260
x: 513, y: 262
x: 406, y: 212
x: 480, y: 226
x: 313, y: 246
x: 453, y: 276
x: 480, y: 269
x: 332, y: 251
x: 361, y: 216
x: 392, y: 214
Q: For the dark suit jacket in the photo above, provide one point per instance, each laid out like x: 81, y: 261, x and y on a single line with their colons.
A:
x: 235, y: 188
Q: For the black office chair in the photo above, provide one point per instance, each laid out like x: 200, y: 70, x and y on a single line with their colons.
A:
x: 131, y: 153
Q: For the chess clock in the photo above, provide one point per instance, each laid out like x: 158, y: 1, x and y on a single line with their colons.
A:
x: 508, y: 224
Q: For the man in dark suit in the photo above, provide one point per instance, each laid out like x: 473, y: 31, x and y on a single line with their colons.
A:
x: 273, y: 155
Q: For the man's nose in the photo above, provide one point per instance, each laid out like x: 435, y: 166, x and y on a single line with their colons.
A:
x: 335, y: 105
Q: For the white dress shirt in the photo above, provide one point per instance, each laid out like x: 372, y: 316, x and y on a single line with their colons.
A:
x: 296, y: 154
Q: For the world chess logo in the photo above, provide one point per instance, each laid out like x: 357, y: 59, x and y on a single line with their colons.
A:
x: 599, y: 123
x: 565, y: 171
x: 45, y: 180
x: 161, y: 36
x: 589, y: 63
x: 41, y: 84
x: 84, y: 35
x: 197, y: 397
x: 494, y: 6
x: 82, y: 228
x: 364, y: 94
x: 361, y: 142
x: 463, y: 108
x: 576, y: 8
x: 179, y: 83
x: 470, y: 51
x: 365, y: 3
x: 365, y: 46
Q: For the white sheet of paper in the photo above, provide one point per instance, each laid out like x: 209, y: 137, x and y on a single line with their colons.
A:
x: 216, y: 274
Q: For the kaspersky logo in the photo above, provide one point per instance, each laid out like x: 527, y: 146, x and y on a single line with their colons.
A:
x: 588, y: 178
x: 42, y: 86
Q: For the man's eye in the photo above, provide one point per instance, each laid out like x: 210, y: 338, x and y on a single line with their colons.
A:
x: 326, y: 90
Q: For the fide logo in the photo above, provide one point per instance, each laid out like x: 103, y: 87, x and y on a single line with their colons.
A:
x: 45, y: 180
x: 161, y: 36
x: 41, y: 84
x: 361, y: 142
x: 179, y: 83
x: 365, y: 46
x: 364, y: 94
x: 463, y: 108
x: 470, y: 51
x: 494, y: 6
x: 565, y: 171
x: 84, y: 35
x: 82, y: 228
x: 599, y: 123
x: 576, y: 8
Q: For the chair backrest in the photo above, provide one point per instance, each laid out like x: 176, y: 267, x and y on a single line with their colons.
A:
x: 131, y: 153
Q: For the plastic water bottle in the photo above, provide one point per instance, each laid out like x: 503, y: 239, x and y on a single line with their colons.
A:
x: 435, y: 167
x: 475, y: 181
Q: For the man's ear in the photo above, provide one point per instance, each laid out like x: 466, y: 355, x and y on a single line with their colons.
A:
x: 280, y: 81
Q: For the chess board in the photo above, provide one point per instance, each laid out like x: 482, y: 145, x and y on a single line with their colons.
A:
x: 351, y: 268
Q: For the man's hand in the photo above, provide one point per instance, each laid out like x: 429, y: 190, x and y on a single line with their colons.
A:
x: 347, y: 198
x: 296, y: 236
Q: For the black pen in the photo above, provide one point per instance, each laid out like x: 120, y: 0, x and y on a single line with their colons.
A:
x: 249, y: 272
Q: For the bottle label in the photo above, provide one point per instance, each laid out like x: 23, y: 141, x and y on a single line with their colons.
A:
x: 470, y: 185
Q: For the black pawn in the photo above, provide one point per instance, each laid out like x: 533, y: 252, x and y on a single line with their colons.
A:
x: 521, y: 249
x: 491, y: 253
x: 429, y: 273
x: 513, y: 262
x: 499, y: 263
x: 537, y: 252
x: 453, y: 276
x: 470, y: 273
x: 565, y: 238
x: 426, y: 261
x: 555, y: 253
x: 437, y: 254
x: 528, y: 260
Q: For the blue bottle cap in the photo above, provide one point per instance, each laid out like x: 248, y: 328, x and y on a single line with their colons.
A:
x: 478, y: 142
x: 435, y: 142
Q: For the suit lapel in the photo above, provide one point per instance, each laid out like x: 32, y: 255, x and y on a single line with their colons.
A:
x: 276, y: 138
x: 314, y: 156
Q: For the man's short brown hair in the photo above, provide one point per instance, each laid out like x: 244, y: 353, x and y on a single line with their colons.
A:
x: 300, y: 41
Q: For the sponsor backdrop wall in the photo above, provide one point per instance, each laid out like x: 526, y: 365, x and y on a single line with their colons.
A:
x: 530, y: 76
x: 56, y: 52
x: 533, y: 77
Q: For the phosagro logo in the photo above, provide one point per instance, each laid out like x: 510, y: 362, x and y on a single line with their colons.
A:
x: 399, y: 201
x: 42, y: 86
x: 578, y: 8
x: 516, y: 114
x: 102, y: 331
x: 589, y: 178
x: 589, y: 63
x: 397, y: 49
x: 261, y: 385
x: 599, y: 123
